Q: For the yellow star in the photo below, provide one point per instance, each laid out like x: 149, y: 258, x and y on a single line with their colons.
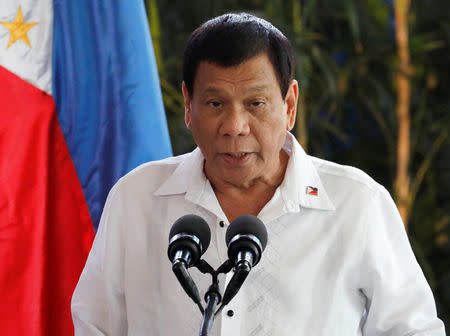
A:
x: 18, y: 29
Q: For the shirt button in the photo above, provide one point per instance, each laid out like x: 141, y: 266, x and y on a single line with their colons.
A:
x: 222, y: 224
x: 230, y: 313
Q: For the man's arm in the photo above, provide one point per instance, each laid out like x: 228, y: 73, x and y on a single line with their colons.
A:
x: 98, y: 303
x: 399, y: 299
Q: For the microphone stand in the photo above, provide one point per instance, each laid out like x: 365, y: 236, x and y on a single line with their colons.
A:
x: 212, y: 296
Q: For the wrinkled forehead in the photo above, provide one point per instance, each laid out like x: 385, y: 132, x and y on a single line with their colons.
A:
x: 256, y: 74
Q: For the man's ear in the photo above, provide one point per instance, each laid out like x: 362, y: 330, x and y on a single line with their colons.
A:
x: 187, y: 105
x: 291, y: 101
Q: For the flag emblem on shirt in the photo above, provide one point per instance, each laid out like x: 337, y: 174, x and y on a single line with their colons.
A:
x: 312, y: 191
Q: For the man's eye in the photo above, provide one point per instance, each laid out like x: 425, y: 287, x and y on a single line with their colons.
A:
x: 215, y: 104
x: 257, y: 103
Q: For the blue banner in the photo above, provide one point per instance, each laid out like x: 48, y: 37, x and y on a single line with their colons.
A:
x: 107, y: 92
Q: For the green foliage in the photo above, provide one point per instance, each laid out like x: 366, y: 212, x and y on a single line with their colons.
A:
x: 346, y: 64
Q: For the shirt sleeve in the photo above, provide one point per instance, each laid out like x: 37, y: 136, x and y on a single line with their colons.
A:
x: 399, y: 299
x: 98, y: 302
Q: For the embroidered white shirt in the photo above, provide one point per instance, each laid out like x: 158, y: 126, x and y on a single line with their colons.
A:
x: 338, y: 261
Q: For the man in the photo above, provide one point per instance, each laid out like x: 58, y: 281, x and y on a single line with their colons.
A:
x: 338, y: 261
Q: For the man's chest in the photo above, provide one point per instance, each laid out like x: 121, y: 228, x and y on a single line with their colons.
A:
x: 307, y: 279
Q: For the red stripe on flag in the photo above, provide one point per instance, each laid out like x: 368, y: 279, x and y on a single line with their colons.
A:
x: 45, y: 227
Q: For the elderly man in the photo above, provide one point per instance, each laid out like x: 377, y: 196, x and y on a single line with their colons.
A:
x: 338, y: 261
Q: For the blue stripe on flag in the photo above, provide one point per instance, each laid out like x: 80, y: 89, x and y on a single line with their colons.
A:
x: 107, y: 93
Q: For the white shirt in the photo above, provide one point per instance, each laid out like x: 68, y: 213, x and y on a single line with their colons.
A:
x: 337, y: 263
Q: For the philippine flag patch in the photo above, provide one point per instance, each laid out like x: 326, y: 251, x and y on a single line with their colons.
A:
x: 312, y: 191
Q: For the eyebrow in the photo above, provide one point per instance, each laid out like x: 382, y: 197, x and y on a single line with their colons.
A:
x: 260, y: 88
x: 256, y: 89
x: 211, y: 89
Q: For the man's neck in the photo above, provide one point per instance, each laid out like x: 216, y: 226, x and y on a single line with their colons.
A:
x: 250, y: 198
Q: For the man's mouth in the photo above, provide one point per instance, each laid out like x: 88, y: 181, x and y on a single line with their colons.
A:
x: 237, y: 155
x: 236, y: 158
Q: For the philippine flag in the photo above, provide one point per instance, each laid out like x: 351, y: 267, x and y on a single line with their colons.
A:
x: 80, y: 106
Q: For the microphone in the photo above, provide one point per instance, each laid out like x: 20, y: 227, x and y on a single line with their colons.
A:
x: 246, y: 238
x: 189, y: 238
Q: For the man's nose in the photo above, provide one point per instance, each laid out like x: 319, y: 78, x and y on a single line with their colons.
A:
x: 235, y: 122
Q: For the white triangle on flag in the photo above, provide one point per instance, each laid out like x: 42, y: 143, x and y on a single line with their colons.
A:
x: 33, y: 64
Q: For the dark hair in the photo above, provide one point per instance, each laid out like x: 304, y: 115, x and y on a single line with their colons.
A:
x: 230, y: 39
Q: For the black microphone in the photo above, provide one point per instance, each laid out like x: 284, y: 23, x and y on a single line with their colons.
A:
x: 246, y: 238
x: 189, y: 238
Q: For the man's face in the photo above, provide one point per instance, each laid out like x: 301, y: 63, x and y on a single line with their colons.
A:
x: 239, y: 119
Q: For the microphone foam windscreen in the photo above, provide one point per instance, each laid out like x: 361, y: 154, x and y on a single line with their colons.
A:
x: 194, y: 225
x: 247, y: 224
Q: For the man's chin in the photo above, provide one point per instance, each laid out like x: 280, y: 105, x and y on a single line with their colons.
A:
x: 236, y: 175
x: 239, y: 179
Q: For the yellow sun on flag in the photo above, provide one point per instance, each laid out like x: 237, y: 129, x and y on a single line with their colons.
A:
x: 18, y: 29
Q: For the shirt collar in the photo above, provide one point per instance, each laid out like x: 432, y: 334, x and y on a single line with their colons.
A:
x: 187, y: 178
x: 301, y: 179
x: 297, y: 188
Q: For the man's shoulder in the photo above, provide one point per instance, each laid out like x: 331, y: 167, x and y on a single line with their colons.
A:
x: 150, y: 175
x: 343, y: 177
x: 153, y: 166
